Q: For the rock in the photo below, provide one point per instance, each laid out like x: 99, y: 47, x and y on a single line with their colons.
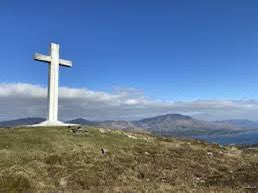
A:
x: 210, y: 154
x: 63, y: 183
x: 131, y: 136
x: 222, y: 146
x: 104, y: 151
x: 79, y: 129
x: 102, y: 130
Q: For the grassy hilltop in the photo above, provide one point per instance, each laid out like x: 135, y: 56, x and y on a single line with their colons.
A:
x: 69, y: 160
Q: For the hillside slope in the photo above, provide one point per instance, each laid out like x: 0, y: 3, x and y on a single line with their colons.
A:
x: 71, y: 159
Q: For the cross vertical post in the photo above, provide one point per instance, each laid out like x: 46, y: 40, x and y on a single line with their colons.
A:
x: 53, y: 76
x: 53, y: 79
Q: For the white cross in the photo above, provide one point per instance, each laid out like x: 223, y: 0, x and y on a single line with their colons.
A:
x: 53, y: 76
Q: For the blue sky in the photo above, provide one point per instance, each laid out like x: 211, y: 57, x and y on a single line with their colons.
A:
x: 170, y: 50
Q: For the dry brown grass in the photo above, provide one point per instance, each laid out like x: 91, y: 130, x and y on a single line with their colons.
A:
x: 53, y: 160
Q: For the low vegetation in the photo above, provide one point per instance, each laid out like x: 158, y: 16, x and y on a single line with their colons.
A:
x: 97, y: 160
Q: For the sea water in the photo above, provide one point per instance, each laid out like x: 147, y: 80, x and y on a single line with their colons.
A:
x: 249, y: 137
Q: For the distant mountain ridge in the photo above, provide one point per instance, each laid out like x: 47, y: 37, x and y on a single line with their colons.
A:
x: 170, y: 124
x: 181, y: 125
x: 19, y: 122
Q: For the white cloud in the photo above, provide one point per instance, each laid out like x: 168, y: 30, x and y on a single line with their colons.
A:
x: 26, y: 100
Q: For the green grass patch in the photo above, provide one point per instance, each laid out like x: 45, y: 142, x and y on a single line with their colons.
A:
x: 52, y: 159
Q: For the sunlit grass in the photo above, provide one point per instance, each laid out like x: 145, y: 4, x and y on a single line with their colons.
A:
x: 56, y: 159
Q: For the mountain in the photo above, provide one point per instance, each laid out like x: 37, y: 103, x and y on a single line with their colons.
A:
x: 19, y: 122
x: 181, y: 125
x: 170, y: 124
x: 82, y: 121
x: 241, y: 123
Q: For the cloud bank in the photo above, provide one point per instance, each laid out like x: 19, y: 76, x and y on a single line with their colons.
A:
x: 19, y: 100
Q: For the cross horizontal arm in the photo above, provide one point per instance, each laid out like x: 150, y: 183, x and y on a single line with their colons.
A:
x: 66, y: 63
x: 42, y: 58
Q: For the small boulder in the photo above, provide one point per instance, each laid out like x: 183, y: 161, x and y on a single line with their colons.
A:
x: 80, y: 129
x: 210, y: 154
x: 104, y: 151
x: 63, y: 183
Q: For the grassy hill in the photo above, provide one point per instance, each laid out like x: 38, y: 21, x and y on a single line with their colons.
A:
x: 70, y: 160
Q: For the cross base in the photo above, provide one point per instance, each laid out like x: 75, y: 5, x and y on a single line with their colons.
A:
x: 53, y: 124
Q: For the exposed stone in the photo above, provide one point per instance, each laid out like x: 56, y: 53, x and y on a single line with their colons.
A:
x: 104, y: 151
x: 63, y: 183
x: 210, y: 154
